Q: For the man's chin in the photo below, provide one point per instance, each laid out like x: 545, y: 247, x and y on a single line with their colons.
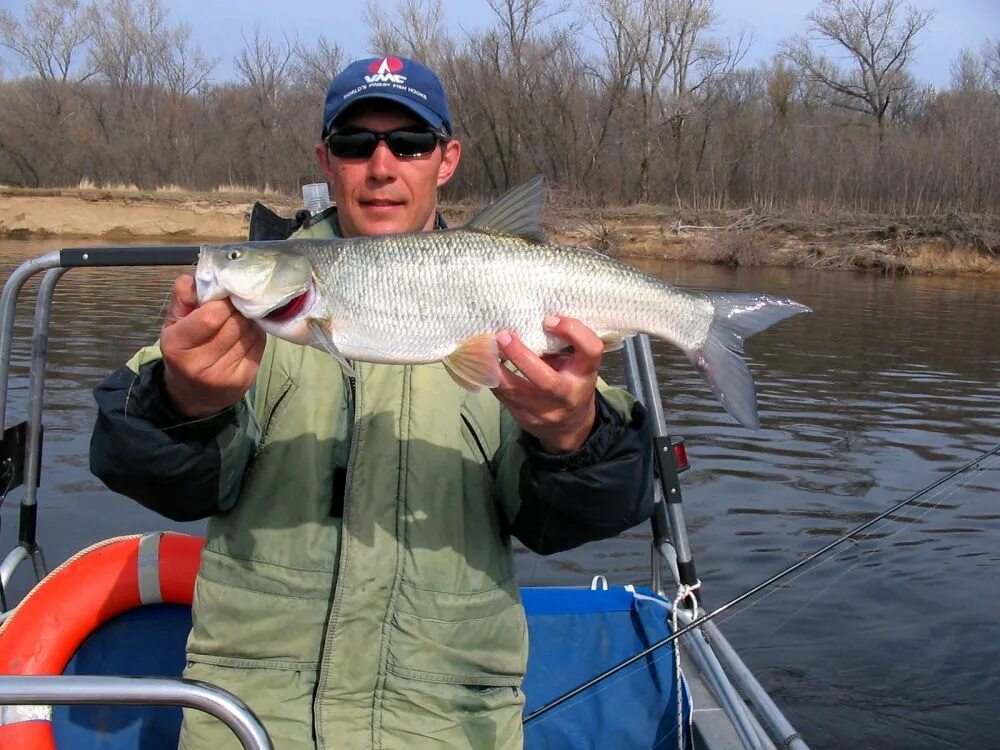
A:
x: 386, y: 220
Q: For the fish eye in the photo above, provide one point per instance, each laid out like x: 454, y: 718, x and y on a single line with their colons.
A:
x: 234, y: 255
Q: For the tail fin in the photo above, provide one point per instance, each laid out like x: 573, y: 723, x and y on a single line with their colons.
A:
x: 719, y: 360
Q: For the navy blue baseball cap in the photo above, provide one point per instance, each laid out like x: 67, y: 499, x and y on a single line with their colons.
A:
x: 396, y: 79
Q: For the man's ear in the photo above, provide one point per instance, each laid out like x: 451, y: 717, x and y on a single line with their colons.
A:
x: 323, y: 157
x: 452, y: 154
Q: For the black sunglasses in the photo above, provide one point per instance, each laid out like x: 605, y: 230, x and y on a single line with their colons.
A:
x: 403, y: 142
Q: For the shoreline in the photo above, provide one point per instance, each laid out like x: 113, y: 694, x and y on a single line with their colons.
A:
x: 947, y: 244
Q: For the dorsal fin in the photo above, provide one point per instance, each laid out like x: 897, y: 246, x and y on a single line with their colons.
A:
x: 516, y: 213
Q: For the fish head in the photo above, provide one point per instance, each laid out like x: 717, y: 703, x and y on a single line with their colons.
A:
x: 269, y: 283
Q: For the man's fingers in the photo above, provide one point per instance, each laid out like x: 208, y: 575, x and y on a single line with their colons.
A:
x: 213, y: 319
x: 510, y: 384
x: 245, y: 350
x: 183, y: 300
x: 530, y: 364
x: 588, y: 349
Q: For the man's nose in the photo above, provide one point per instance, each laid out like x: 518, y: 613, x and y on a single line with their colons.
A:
x: 381, y: 162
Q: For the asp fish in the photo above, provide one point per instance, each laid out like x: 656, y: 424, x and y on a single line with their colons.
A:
x: 443, y: 296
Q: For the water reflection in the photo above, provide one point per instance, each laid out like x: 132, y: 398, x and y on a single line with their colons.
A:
x: 889, y: 384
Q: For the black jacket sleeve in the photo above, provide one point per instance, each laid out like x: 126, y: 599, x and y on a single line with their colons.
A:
x: 595, y: 492
x: 142, y: 449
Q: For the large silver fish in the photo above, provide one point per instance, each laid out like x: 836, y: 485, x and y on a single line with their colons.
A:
x: 443, y: 296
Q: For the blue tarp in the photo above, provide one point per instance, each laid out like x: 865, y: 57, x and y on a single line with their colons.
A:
x: 144, y: 642
x: 575, y: 635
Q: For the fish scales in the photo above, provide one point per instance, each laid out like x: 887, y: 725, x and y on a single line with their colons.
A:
x: 416, y: 301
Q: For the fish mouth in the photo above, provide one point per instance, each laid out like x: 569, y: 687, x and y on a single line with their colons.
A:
x: 290, y: 309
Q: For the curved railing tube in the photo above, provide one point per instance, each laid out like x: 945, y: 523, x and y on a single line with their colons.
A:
x: 8, y: 302
x: 138, y: 691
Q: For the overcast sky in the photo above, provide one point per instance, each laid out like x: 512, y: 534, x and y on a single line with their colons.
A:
x: 216, y: 25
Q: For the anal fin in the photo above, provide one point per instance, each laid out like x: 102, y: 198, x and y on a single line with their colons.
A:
x: 613, y: 341
x: 475, y: 363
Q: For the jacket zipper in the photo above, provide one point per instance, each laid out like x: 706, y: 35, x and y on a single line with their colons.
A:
x: 345, y: 518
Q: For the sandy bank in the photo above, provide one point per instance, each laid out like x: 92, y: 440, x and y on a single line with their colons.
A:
x: 944, y: 244
x: 116, y: 216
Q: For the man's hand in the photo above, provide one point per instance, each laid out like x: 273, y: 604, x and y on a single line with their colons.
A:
x: 555, y: 399
x: 210, y: 353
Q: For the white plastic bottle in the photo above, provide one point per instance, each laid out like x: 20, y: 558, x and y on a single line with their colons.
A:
x: 316, y: 197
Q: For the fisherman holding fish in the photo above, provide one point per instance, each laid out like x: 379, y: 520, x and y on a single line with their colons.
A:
x: 357, y: 586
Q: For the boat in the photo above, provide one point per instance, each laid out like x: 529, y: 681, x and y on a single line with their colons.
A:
x: 92, y: 656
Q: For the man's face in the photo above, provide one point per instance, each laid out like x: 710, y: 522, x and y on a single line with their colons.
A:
x: 384, y: 193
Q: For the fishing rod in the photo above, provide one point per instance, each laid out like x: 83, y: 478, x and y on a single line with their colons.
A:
x: 697, y: 622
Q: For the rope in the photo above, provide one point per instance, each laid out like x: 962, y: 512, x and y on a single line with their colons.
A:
x: 66, y: 564
x: 685, y: 592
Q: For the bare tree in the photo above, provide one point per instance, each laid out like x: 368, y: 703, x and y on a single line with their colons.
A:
x: 130, y: 41
x: 313, y: 69
x: 657, y: 105
x: 265, y: 66
x: 50, y: 44
x: 149, y: 67
x: 646, y: 33
x: 991, y: 63
x: 414, y: 28
x: 698, y: 72
x: 309, y: 76
x: 183, y: 69
x: 674, y: 67
x: 968, y: 74
x: 877, y: 36
x: 613, y: 72
x: 49, y: 41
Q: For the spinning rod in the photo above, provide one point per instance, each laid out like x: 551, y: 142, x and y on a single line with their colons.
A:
x: 697, y: 622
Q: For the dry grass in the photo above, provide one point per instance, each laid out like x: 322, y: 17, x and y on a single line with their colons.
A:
x: 245, y: 189
x: 940, y: 257
x: 119, y: 187
x: 113, y: 187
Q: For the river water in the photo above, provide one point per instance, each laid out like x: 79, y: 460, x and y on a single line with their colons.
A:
x: 890, y: 384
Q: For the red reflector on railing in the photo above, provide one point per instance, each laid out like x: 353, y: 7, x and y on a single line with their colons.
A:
x: 680, y: 454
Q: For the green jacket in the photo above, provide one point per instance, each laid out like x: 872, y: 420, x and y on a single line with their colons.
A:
x: 400, y: 623
x: 394, y: 621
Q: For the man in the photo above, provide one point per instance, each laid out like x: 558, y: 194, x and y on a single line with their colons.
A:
x: 357, y: 587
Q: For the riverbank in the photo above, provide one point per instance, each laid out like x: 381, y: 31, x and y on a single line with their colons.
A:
x: 950, y: 243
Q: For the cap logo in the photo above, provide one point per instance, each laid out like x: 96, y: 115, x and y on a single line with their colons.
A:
x: 386, y: 70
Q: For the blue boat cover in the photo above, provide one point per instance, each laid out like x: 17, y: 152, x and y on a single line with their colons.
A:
x: 575, y: 634
x: 144, y: 642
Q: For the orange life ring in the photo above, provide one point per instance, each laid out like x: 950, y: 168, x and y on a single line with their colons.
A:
x: 48, y: 626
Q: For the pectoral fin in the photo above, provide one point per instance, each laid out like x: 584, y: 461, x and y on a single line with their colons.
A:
x: 324, y: 342
x: 475, y: 363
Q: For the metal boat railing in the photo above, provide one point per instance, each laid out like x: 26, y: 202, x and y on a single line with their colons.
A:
x: 27, y: 436
x: 758, y: 722
x: 40, y: 693
x: 716, y: 659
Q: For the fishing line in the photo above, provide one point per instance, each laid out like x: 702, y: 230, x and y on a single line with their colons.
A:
x: 697, y: 622
x: 863, y: 556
